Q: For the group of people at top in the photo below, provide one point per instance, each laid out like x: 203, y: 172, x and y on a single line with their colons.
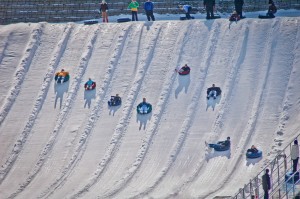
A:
x: 208, y: 4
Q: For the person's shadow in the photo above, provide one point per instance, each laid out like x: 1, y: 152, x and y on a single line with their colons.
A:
x: 148, y: 24
x: 60, y: 89
x: 113, y: 109
x: 183, y: 83
x: 211, y: 102
x: 143, y: 118
x: 252, y: 161
x: 88, y: 96
x: 213, y: 153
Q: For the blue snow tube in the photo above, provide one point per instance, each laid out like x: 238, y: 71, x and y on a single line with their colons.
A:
x: 220, y: 147
x: 253, y: 155
x: 149, y: 108
x: 289, y: 178
x: 114, y: 101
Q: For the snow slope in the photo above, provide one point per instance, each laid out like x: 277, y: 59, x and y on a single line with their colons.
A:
x: 60, y: 141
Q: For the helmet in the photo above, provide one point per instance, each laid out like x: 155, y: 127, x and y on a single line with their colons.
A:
x: 228, y: 138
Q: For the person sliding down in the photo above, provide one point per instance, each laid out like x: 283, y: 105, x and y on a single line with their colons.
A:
x: 61, y: 76
x: 144, y: 107
x: 213, y: 92
x: 90, y: 84
x: 253, y: 149
x: 115, y: 100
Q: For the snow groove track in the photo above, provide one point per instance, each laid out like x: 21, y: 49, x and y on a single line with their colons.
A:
x: 80, y: 148
x: 143, y: 65
x: 36, y: 108
x: 157, y: 114
x: 21, y: 71
x: 62, y: 116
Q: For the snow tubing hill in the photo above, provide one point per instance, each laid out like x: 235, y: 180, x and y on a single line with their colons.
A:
x: 88, y: 88
x: 290, y: 179
x: 124, y: 19
x: 252, y: 155
x: 66, y: 78
x: 149, y: 107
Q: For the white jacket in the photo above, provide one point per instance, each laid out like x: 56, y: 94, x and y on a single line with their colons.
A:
x: 295, y: 152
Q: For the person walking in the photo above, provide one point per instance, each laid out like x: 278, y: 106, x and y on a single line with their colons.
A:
x: 238, y: 4
x: 209, y: 7
x: 295, y: 155
x: 104, y: 9
x: 148, y: 7
x: 266, y: 183
x: 133, y: 6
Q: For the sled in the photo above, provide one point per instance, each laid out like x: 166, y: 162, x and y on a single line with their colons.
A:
x: 184, y: 18
x: 184, y: 72
x: 58, y: 79
x: 90, y: 22
x: 149, y: 109
x: 113, y: 102
x: 90, y: 87
x: 265, y: 17
x: 124, y: 19
x: 252, y: 155
x: 291, y: 177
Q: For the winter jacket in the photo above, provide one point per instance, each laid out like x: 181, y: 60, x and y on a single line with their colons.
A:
x: 103, y: 7
x: 209, y: 3
x: 62, y: 74
x: 217, y: 89
x: 239, y: 2
x: 295, y: 152
x: 187, y: 8
x: 89, y: 82
x: 148, y: 6
x: 133, y: 6
x: 266, y: 182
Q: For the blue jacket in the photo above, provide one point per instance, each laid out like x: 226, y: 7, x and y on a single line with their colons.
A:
x: 148, y: 5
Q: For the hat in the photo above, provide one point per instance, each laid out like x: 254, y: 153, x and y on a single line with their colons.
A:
x: 295, y: 141
x: 228, y: 138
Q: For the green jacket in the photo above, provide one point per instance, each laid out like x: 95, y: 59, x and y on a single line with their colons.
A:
x: 133, y: 5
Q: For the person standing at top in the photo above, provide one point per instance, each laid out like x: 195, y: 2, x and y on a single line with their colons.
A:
x: 133, y: 6
x: 104, y: 9
x: 272, y: 9
x: 209, y: 7
x: 148, y: 7
x: 238, y: 4
x: 266, y: 183
x: 295, y: 155
x: 187, y: 10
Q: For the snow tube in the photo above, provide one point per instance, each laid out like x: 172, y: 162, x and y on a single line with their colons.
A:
x: 66, y: 78
x: 113, y: 102
x: 219, y: 147
x: 185, y: 72
x: 265, y: 17
x: 184, y: 18
x: 290, y: 179
x: 140, y: 110
x: 90, y: 22
x: 252, y: 155
x: 90, y: 88
x: 124, y: 19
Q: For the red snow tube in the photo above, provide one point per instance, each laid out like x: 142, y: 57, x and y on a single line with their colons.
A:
x: 90, y: 87
x: 184, y: 71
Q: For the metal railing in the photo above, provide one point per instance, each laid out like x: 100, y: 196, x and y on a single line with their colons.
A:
x: 283, y: 184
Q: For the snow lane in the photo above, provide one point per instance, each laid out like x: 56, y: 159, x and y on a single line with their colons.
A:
x: 254, y: 114
x: 147, y: 44
x: 36, y: 141
x: 13, y: 42
x: 72, y: 126
x: 26, y: 97
x: 157, y: 114
x: 277, y: 80
x: 116, y: 47
x: 20, y: 73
